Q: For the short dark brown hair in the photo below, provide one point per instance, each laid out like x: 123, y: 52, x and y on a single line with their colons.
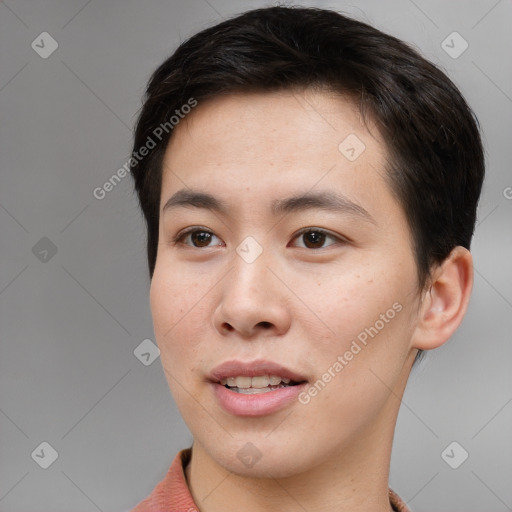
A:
x: 436, y: 164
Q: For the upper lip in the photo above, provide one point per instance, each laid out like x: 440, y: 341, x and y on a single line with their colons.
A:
x: 253, y: 369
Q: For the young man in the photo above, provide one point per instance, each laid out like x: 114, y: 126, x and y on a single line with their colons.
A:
x: 310, y: 187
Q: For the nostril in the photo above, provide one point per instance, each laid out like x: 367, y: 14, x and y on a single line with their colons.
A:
x: 265, y: 324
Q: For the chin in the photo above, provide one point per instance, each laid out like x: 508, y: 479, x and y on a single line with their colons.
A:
x: 264, y: 459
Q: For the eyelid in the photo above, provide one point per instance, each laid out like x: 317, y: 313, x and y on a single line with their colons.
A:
x: 184, y: 232
x: 339, y: 238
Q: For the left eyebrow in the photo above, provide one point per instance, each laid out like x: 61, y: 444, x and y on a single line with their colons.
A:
x: 324, y: 200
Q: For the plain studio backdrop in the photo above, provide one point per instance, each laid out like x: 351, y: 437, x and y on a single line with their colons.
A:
x: 77, y: 393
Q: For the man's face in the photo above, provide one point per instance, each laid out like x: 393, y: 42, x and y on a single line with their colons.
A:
x: 335, y: 307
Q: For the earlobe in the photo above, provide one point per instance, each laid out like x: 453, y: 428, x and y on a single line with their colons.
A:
x: 445, y: 303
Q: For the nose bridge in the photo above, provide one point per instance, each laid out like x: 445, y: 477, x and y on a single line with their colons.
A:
x: 252, y: 297
x: 251, y: 280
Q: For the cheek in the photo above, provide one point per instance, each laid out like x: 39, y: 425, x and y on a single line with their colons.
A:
x: 363, y: 316
x: 358, y: 365
x: 345, y: 304
x: 178, y: 307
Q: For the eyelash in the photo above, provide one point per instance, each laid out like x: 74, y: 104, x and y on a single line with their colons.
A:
x: 183, y: 234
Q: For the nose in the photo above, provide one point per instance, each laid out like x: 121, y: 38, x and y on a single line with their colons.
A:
x: 253, y: 302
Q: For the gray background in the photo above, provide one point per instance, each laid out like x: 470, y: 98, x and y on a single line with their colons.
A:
x: 70, y: 321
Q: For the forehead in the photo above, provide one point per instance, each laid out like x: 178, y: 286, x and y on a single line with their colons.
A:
x: 299, y: 140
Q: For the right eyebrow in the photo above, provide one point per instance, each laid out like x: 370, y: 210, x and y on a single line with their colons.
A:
x: 191, y: 198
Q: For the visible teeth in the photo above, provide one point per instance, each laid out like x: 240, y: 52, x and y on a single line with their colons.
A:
x: 253, y: 391
x: 258, y: 382
x: 275, y: 380
x: 243, y: 382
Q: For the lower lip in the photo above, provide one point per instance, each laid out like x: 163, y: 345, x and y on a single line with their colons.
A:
x: 259, y: 404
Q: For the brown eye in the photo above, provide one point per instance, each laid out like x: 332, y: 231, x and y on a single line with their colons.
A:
x: 314, y: 238
x: 198, y: 237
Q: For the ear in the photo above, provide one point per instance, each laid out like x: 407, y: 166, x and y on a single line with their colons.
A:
x: 446, y: 300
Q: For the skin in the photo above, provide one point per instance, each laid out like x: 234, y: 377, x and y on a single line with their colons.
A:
x: 299, y: 306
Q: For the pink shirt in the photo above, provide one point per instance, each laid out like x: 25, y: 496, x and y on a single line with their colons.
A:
x: 172, y: 493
